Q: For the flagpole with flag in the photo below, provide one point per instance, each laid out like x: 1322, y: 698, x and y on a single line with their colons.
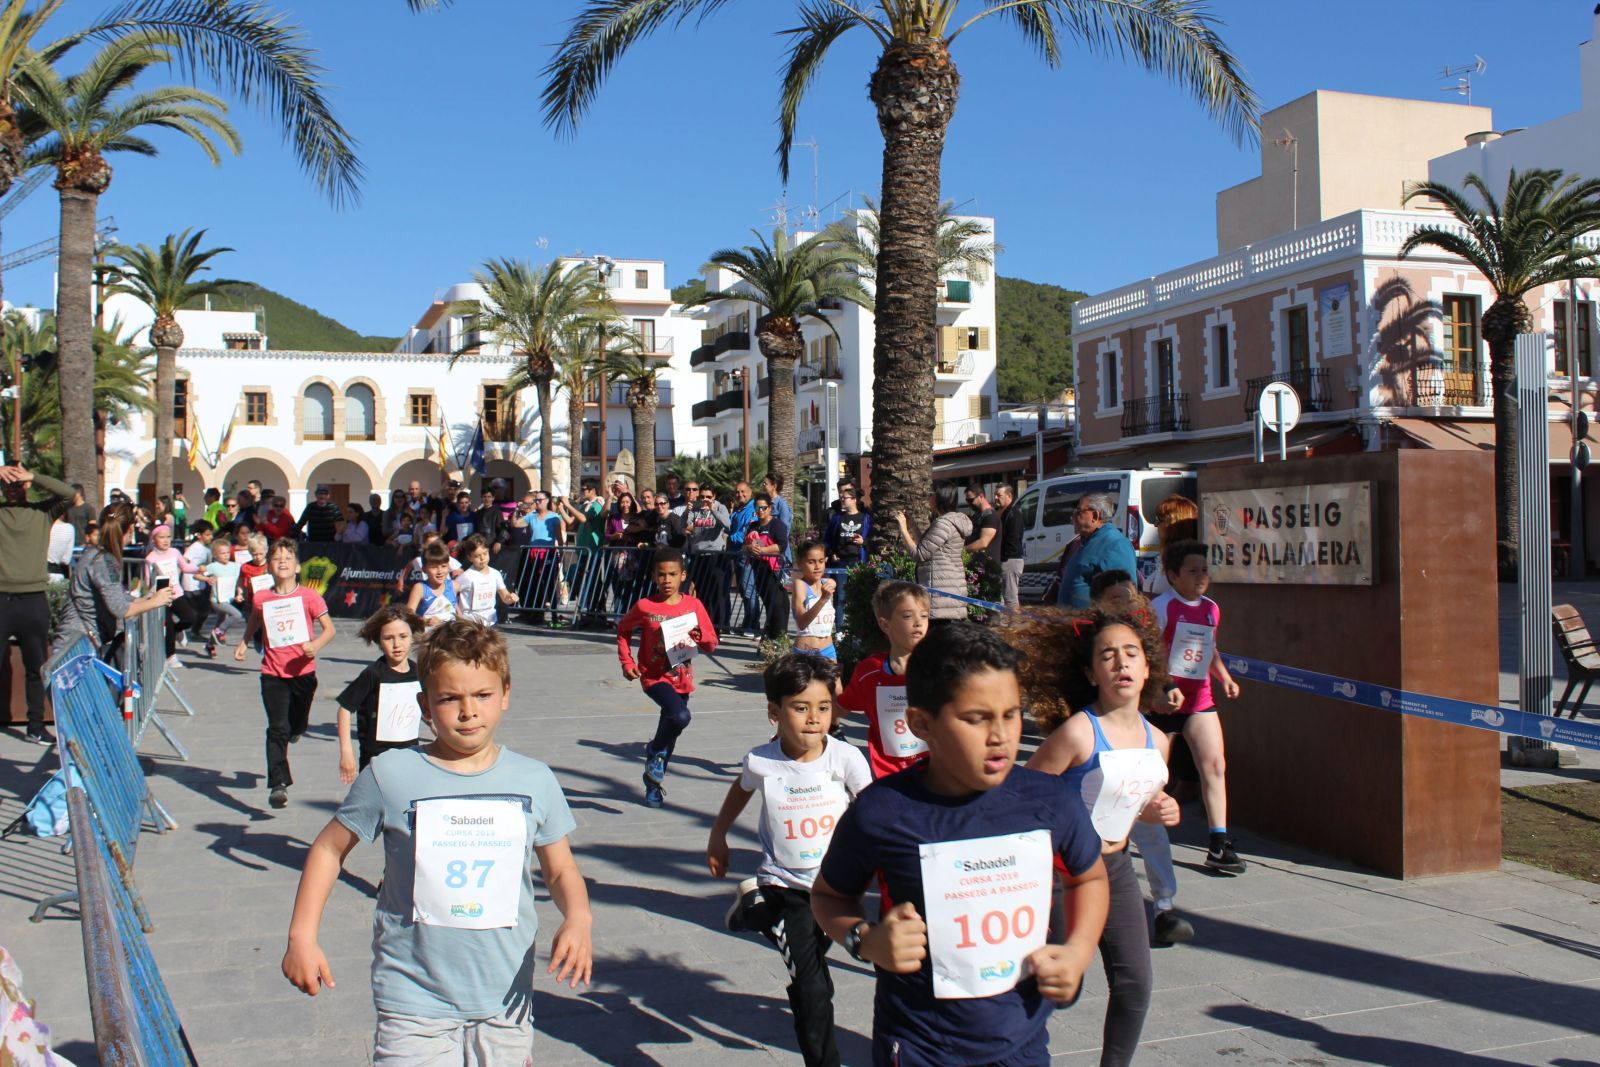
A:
x: 227, y: 438
x: 444, y: 463
x: 475, y: 459
x: 196, y: 445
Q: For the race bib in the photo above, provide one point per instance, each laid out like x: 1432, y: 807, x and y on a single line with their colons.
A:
x: 285, y: 623
x: 399, y: 714
x: 898, y: 740
x: 988, y: 909
x: 676, y: 640
x: 168, y: 569
x: 482, y: 595
x: 801, y: 813
x: 260, y: 583
x: 227, y: 586
x: 469, y: 860
x: 1131, y: 776
x: 1192, y: 648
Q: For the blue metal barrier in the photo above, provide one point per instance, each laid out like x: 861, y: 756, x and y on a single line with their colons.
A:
x: 135, y: 1022
x: 92, y: 738
x: 575, y: 584
x: 145, y: 657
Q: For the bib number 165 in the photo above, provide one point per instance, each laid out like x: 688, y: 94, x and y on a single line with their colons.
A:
x: 997, y: 927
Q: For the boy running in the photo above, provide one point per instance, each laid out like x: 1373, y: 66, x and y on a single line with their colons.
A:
x: 480, y: 585
x: 286, y: 614
x: 435, y: 597
x: 966, y: 843
x: 1188, y: 620
x: 383, y: 697
x: 672, y: 626
x: 462, y: 821
x: 806, y: 779
x: 878, y: 686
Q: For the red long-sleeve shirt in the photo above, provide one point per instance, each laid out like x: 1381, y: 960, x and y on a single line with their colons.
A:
x: 646, y: 617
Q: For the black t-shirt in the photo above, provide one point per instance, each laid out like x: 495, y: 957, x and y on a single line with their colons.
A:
x: 320, y: 520
x: 360, y: 698
x: 987, y: 520
x: 80, y: 516
x: 1011, y: 533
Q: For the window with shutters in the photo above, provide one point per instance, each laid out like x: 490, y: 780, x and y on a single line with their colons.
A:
x: 976, y: 338
x: 499, y: 410
x: 419, y: 409
x: 360, y: 413
x: 180, y: 407
x: 256, y: 411
x: 980, y: 406
x: 1110, y: 386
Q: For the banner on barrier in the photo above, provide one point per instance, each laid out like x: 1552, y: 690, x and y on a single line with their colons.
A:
x: 354, y: 580
x: 1512, y: 721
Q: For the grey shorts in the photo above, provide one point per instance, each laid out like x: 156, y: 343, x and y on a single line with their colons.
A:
x: 408, y: 1041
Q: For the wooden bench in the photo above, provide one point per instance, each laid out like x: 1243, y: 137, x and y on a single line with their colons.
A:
x: 1580, y: 653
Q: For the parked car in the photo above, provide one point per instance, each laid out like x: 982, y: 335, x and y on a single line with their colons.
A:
x: 1048, y: 534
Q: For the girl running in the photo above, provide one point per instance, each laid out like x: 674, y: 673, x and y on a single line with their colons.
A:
x: 812, y: 601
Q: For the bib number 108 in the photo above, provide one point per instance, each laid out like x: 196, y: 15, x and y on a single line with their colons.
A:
x: 455, y: 872
x: 808, y: 827
x: 997, y: 927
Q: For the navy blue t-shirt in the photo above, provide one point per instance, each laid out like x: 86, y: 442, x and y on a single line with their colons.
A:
x: 880, y: 833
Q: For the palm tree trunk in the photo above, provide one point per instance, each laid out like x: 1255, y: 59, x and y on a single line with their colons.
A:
x: 75, y: 340
x: 643, y: 412
x: 1507, y: 410
x: 166, y: 430
x: 575, y: 409
x: 547, y: 440
x: 914, y: 89
x: 782, y: 350
x: 11, y: 152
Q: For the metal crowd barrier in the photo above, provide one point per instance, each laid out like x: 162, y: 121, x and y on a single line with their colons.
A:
x: 145, y: 667
x: 92, y: 741
x: 135, y: 1022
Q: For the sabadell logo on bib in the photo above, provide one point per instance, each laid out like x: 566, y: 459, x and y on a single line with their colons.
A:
x: 987, y: 865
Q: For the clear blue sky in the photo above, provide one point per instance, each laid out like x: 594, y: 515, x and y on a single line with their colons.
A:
x: 1097, y: 173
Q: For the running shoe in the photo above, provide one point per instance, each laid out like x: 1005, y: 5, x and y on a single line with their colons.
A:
x: 279, y: 797
x: 211, y: 647
x: 655, y: 767
x: 43, y: 737
x: 174, y: 662
x: 294, y: 739
x: 1172, y: 928
x: 654, y: 795
x: 1224, y: 859
x: 747, y: 899
x: 183, y: 639
x: 218, y: 636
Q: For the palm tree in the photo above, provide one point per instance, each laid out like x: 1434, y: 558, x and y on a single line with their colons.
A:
x: 641, y: 372
x: 245, y: 48
x: 967, y: 248
x: 1528, y: 241
x: 791, y: 285
x: 528, y: 310
x: 83, y: 118
x: 914, y: 91
x: 165, y: 280
x: 580, y: 368
x: 33, y: 349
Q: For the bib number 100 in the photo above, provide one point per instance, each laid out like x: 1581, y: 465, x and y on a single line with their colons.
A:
x: 808, y: 827
x: 997, y: 927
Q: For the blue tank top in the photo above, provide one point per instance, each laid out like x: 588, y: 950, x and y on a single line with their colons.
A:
x: 437, y: 603
x: 1090, y: 781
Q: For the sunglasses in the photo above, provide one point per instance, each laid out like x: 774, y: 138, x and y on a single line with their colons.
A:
x: 763, y: 507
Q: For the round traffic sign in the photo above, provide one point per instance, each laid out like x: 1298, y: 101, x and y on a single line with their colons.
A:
x: 1279, y: 407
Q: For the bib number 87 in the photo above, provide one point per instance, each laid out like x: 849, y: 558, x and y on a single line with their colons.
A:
x: 809, y: 827
x: 455, y: 872
x: 997, y: 927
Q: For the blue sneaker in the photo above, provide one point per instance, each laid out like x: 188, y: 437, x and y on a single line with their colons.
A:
x: 654, y: 795
x: 655, y: 767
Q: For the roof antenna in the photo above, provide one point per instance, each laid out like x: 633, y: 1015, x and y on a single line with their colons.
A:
x: 1463, y: 73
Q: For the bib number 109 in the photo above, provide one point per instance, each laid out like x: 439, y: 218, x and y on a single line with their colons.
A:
x: 808, y: 827
x: 997, y: 927
x: 455, y: 873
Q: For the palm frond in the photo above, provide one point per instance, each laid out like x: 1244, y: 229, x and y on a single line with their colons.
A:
x: 821, y: 25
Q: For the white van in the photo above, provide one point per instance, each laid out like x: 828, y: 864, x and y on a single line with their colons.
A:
x: 1047, y: 530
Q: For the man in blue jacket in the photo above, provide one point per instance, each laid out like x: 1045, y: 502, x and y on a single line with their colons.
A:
x: 1101, y: 547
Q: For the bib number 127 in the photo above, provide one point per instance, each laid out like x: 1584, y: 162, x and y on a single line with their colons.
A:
x: 997, y: 927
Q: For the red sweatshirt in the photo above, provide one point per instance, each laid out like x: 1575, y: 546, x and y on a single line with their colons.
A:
x: 646, y: 617
x: 873, y: 690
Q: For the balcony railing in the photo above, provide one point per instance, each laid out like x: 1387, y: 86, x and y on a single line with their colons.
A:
x: 1155, y: 414
x: 809, y: 440
x: 733, y: 398
x: 1311, y: 383
x: 705, y: 409
x: 960, y: 365
x: 618, y: 394
x: 1441, y: 385
x: 733, y: 339
x: 620, y: 438
x: 826, y: 371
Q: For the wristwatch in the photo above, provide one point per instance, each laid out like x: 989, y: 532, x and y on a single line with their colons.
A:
x: 852, y: 940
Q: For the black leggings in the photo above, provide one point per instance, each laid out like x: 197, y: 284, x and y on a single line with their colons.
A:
x: 1125, y: 951
x: 183, y: 614
x: 674, y: 717
x: 795, y: 934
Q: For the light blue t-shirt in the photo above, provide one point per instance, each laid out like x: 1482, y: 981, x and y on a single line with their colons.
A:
x: 438, y: 972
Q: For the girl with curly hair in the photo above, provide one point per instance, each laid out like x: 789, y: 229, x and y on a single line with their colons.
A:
x: 1113, y: 667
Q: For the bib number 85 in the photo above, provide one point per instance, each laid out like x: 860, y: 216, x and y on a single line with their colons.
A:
x: 809, y: 827
x: 996, y: 927
x: 455, y: 872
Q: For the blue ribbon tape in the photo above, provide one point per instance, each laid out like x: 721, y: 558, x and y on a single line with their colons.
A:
x: 1512, y: 721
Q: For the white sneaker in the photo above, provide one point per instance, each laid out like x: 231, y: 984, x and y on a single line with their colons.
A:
x: 174, y: 663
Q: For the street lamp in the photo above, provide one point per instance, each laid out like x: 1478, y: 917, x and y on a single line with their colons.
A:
x: 743, y: 379
x: 603, y: 266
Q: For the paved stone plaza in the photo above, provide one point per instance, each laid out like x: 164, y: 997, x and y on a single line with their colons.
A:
x: 1298, y: 962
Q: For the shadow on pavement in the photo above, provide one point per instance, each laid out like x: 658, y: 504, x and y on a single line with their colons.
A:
x: 215, y: 786
x: 1347, y: 1048
x: 233, y: 843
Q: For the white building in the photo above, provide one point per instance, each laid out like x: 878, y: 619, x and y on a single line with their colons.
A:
x: 966, y: 390
x: 370, y: 421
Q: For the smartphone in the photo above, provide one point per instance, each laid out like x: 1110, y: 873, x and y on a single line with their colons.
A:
x: 162, y: 583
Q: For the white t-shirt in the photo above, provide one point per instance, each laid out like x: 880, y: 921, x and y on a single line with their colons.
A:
x: 63, y: 539
x: 198, y: 556
x: 839, y: 760
x: 478, y: 592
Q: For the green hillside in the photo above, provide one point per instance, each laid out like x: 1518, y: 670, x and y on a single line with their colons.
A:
x: 291, y: 325
x: 1034, y: 323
